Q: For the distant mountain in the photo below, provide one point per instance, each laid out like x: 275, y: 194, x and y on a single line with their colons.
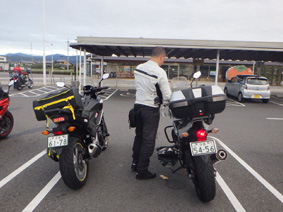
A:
x: 21, y: 57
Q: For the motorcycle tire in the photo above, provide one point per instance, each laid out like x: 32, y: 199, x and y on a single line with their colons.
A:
x: 73, y: 167
x: 103, y: 135
x: 6, y: 124
x: 30, y: 84
x: 19, y: 86
x: 204, y: 179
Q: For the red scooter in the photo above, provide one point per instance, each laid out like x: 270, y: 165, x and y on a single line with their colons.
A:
x: 6, y: 117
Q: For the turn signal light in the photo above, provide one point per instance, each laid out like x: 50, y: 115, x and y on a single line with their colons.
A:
x: 45, y: 132
x: 71, y: 128
x: 215, y: 130
x: 185, y: 134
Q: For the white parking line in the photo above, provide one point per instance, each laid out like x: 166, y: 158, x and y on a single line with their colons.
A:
x: 267, y: 185
x: 111, y: 95
x: 277, y: 119
x: 43, y: 90
x: 21, y: 168
x: 276, y: 103
x: 40, y: 196
x: 233, y: 199
x: 231, y: 102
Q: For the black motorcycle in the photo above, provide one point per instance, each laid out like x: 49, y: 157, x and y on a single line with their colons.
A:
x: 191, y: 111
x: 80, y: 132
x: 21, y: 80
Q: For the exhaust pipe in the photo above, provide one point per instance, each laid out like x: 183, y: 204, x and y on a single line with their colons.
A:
x: 219, y: 156
x: 94, y: 150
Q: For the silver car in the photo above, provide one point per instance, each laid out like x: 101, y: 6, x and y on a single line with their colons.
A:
x: 248, y: 87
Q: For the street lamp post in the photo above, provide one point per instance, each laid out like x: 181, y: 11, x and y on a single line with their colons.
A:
x: 51, y: 60
x: 43, y: 43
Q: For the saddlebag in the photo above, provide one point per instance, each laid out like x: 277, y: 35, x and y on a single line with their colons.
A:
x: 197, y: 102
x: 60, y: 99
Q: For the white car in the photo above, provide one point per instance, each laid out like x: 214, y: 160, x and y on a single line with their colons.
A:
x: 248, y: 87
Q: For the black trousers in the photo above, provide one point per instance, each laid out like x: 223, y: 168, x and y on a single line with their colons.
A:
x: 147, y: 121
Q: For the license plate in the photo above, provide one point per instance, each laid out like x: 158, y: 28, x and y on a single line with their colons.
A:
x: 58, y: 140
x: 256, y: 96
x: 203, y: 147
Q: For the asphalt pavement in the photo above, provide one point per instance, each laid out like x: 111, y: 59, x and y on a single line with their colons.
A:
x: 250, y: 179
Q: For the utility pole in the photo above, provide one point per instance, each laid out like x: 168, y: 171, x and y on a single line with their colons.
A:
x: 43, y: 43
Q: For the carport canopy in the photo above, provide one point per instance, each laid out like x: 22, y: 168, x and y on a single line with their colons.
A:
x: 180, y: 48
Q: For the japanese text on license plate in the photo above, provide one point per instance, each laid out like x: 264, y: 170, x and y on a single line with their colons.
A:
x: 203, y: 147
x: 56, y: 141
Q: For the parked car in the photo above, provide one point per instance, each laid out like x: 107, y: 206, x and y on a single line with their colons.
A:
x: 248, y: 87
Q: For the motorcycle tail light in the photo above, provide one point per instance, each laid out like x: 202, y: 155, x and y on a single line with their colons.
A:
x: 59, y: 119
x: 58, y: 133
x: 201, y: 135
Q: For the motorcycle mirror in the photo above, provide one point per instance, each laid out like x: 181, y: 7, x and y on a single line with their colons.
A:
x: 197, y: 75
x: 60, y: 84
x: 105, y: 76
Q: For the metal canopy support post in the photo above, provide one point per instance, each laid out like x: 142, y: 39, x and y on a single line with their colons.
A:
x: 80, y: 71
x: 217, y: 67
x: 84, y: 67
x: 77, y: 66
x: 101, y: 66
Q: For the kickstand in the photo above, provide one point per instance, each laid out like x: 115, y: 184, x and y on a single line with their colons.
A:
x: 173, y: 171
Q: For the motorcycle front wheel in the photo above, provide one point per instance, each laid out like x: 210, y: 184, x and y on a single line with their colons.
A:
x: 6, y: 124
x: 73, y: 166
x: 204, y: 179
x: 30, y: 84
x: 18, y: 86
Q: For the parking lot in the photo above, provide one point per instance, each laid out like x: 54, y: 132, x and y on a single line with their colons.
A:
x: 249, y: 180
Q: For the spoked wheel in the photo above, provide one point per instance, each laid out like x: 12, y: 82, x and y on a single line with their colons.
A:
x: 6, y: 124
x: 204, y: 179
x: 73, y: 165
x: 30, y: 84
x: 103, y: 135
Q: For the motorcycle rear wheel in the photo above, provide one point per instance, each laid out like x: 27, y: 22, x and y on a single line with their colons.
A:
x: 6, y: 124
x: 204, y: 179
x: 103, y: 135
x: 73, y: 166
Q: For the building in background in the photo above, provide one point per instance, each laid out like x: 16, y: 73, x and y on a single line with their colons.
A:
x: 4, y: 65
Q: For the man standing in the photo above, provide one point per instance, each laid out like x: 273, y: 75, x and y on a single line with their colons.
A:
x: 151, y: 88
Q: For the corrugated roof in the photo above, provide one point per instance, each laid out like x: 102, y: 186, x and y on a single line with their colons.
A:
x: 178, y: 48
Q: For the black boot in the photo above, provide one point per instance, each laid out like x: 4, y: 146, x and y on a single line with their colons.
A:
x: 145, y: 176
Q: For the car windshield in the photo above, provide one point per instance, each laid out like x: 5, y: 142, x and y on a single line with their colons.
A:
x: 257, y: 81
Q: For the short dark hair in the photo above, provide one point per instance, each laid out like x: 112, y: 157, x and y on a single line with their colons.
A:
x: 157, y: 51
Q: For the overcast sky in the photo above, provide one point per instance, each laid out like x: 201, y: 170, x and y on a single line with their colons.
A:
x: 21, y: 21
